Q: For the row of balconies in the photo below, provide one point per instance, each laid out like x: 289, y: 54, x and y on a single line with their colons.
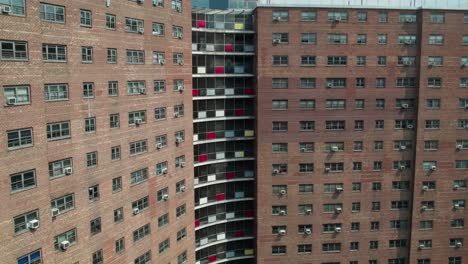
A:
x: 213, y: 173
x: 223, y: 69
x: 243, y: 251
x: 222, y: 91
x: 222, y: 236
x: 227, y: 134
x: 214, y: 178
x: 229, y: 195
x: 239, y: 112
x: 209, y: 219
x: 236, y: 47
x: 223, y: 155
x: 243, y: 25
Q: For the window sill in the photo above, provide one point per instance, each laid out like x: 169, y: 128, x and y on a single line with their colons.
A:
x: 58, y: 139
x: 20, y: 147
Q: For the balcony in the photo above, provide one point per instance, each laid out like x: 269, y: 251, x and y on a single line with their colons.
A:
x: 223, y: 156
x: 216, y: 178
x: 221, y: 49
x: 223, y: 217
x: 223, y: 92
x: 222, y: 65
x: 240, y: 21
x: 223, y: 136
x: 222, y: 197
x: 224, y: 237
x: 226, y: 256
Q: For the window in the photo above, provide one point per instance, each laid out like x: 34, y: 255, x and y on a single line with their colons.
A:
x: 383, y: 17
x: 307, y: 104
x: 54, y: 53
x: 137, y: 117
x: 20, y: 138
x: 93, y: 193
x: 362, y: 39
x: 279, y: 105
x: 463, y: 103
x: 329, y: 228
x: 380, y: 103
x: 400, y: 185
x: 69, y: 236
x: 464, y: 63
x: 95, y: 226
x: 436, y: 39
x: 454, y: 241
x: 85, y: 18
x: 163, y: 246
x: 407, y: 39
x: 280, y: 15
x: 375, y: 206
x: 182, y: 258
x: 134, y: 25
x: 436, y: 61
x: 53, y: 92
x: 336, y: 82
x: 381, y: 60
x: 308, y: 83
x: 424, y: 261
x: 114, y: 121
x: 280, y: 83
x: 382, y: 39
x: 23, y: 181
x: 181, y: 234
x: 455, y: 260
x: 110, y: 22
x: 280, y: 38
x: 306, y: 188
x: 143, y: 259
x: 34, y: 257
x: 406, y: 60
x: 162, y: 195
x: 397, y: 243
x: 362, y: 16
x: 334, y: 167
x: 280, y: 126
x: 176, y: 5
x: 336, y: 61
x: 178, y: 58
x: 161, y: 168
x: 306, y: 125
x: 437, y: 18
x: 161, y: 141
x: 158, y: 29
x: 90, y: 124
x: 118, y: 215
x: 433, y: 103
x: 407, y: 18
x: 432, y: 124
x: 159, y: 57
x: 374, y: 225
x: 335, y: 104
x: 135, y: 56
x: 399, y: 224
x: 119, y: 245
x: 331, y: 247
x: 373, y: 244
x: 332, y: 187
x: 304, y: 248
x: 308, y: 38
x: 138, y: 147
x: 21, y: 221
x: 88, y: 90
x: 356, y: 187
x: 178, y: 111
x: 334, y: 146
x: 461, y: 164
x: 115, y: 153
x: 141, y: 204
x: 13, y: 50
x: 279, y: 60
x: 462, y: 123
x: 58, y: 130
x: 307, y: 60
x: 279, y: 210
x: 278, y: 250
x: 355, y: 207
x: 180, y: 161
x: 406, y: 82
x: 59, y: 167
x: 337, y: 38
x: 111, y: 55
x: 160, y: 113
x: 359, y: 103
x: 117, y: 184
x: 52, y: 13
x: 337, y: 16
x: 279, y: 147
x: 355, y: 226
x: 429, y: 185
x: 360, y: 82
x: 335, y: 125
x: 141, y: 232
x: 177, y: 32
x: 360, y: 60
x: 180, y: 211
x: 331, y: 207
x: 354, y: 246
x: 180, y: 186
x: 308, y: 16
x: 306, y: 167
x: 178, y: 85
x: 396, y: 261
x: 139, y: 176
x: 159, y: 86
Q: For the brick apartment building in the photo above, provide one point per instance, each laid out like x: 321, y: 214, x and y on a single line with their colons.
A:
x: 96, y: 150
x: 362, y: 142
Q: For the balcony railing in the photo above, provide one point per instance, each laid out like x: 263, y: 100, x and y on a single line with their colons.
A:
x: 223, y: 134
x: 223, y: 155
x: 223, y: 236
x: 225, y: 255
x: 236, y: 47
x: 229, y: 196
x: 223, y: 92
x: 224, y: 216
x: 222, y: 25
x: 226, y: 69
x: 245, y: 174
x: 239, y: 112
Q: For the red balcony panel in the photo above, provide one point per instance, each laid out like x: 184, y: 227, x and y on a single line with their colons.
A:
x: 239, y: 112
x: 212, y: 258
x: 249, y: 214
x: 219, y: 70
x: 194, y: 92
x: 202, y: 158
x: 239, y: 233
x: 230, y: 175
x: 228, y: 48
x: 197, y: 223
x: 249, y: 91
x: 211, y: 135
x: 201, y: 24
x: 220, y: 197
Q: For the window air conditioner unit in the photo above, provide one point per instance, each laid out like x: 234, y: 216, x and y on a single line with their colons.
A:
x: 456, y: 206
x: 6, y: 9
x: 138, y: 121
x: 466, y: 126
x: 159, y: 145
x: 141, y: 30
x: 402, y: 167
x: 404, y: 106
x: 33, y: 224
x: 421, y: 246
x: 327, y: 169
x: 64, y: 245
x: 337, y: 229
x: 338, y: 210
x: 339, y: 189
x: 334, y: 149
x: 164, y: 171
x: 282, y: 212
x: 281, y: 232
x: 402, y: 147
x: 463, y: 84
x: 423, y: 208
x: 55, y: 212
x: 182, y: 164
x: 458, y: 244
x: 179, y: 140
x: 142, y: 90
x: 409, y: 20
x: 466, y: 106
x: 282, y: 192
x: 337, y: 18
x: 276, y: 41
x: 180, y: 88
x: 158, y: 2
x: 165, y: 197
x: 433, y: 168
x: 409, y: 126
x: 180, y: 62
x: 178, y: 9
x: 465, y: 64
x: 11, y: 101
x: 162, y: 61
x: 176, y: 115
x: 407, y: 63
x: 408, y: 42
x: 68, y: 170
x: 308, y: 211
x: 308, y: 231
x: 180, y: 35
x: 182, y: 188
x: 425, y: 188
x: 136, y: 211
x: 275, y: 171
x: 431, y: 63
x: 329, y: 85
x: 276, y: 18
x: 303, y: 149
x: 459, y: 147
x: 456, y: 187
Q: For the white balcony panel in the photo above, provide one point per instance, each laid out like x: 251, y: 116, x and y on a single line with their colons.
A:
x: 210, y: 47
x: 219, y: 113
x: 249, y: 48
x: 238, y: 69
x: 248, y: 174
x: 219, y: 25
x: 195, y: 181
x: 239, y: 154
x: 202, y: 114
x: 212, y: 177
x: 201, y: 69
x: 204, y: 241
x: 211, y: 218
x: 230, y: 215
x: 221, y: 236
x: 210, y: 92
x: 239, y: 194
x: 249, y: 133
x: 203, y: 200
x: 195, y: 137
x: 228, y: 133
x: 230, y: 254
x: 194, y: 46
x: 229, y: 91
x: 220, y: 155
